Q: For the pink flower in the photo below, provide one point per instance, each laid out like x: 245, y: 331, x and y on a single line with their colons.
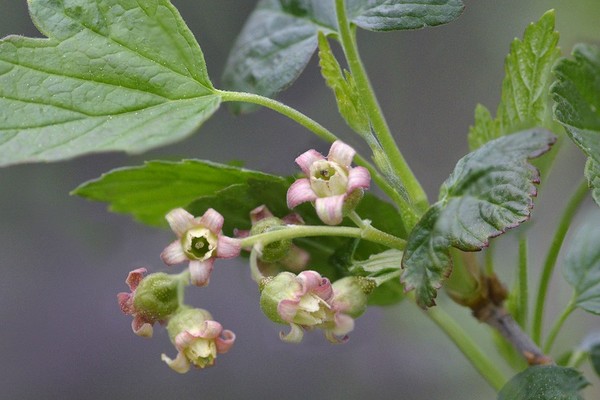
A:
x: 200, y: 241
x: 197, y: 338
x: 152, y: 299
x: 330, y: 182
x: 304, y: 301
x: 280, y: 254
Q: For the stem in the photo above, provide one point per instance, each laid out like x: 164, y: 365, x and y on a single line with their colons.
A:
x: 295, y: 231
x: 382, y: 131
x: 375, y: 235
x: 257, y: 276
x: 552, y: 255
x: 523, y: 282
x: 317, y: 129
x: 577, y: 358
x: 558, y: 325
x: 486, y: 367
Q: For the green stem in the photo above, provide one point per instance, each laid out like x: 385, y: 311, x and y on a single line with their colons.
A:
x: 296, y: 231
x: 257, y: 276
x: 523, y: 282
x: 577, y: 358
x: 375, y: 235
x: 317, y: 129
x: 486, y: 367
x: 558, y: 325
x: 552, y: 256
x: 416, y: 193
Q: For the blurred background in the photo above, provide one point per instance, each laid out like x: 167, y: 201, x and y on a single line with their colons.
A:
x: 63, y: 259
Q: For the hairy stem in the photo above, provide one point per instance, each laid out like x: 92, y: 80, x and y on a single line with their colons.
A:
x: 552, y: 256
x: 416, y: 194
x: 523, y: 282
x: 558, y: 326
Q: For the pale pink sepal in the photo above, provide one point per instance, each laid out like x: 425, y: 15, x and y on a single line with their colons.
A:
x: 341, y: 153
x: 180, y: 364
x: 306, y: 159
x: 228, y: 247
x: 134, y: 277
x: 295, y: 334
x: 212, y: 220
x: 200, y: 271
x: 225, y: 341
x: 259, y: 213
x: 314, y: 283
x: 358, y: 177
x: 287, y: 309
x: 180, y: 221
x: 330, y: 209
x: 293, y: 219
x: 173, y: 254
x: 125, y: 302
x: 141, y: 328
x: 300, y: 192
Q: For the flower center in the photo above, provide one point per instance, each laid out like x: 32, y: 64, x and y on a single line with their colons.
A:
x: 328, y: 178
x: 199, y: 243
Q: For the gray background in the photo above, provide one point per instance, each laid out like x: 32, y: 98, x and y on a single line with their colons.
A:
x: 64, y: 259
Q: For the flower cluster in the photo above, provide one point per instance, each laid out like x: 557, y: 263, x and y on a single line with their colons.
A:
x: 302, y: 299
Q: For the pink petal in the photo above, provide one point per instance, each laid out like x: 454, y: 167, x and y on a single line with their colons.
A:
x: 241, y: 233
x: 300, y: 192
x: 200, y: 271
x: 173, y: 254
x: 294, y: 336
x: 287, y: 309
x: 125, y: 302
x: 180, y: 221
x: 134, y: 277
x: 141, y: 327
x: 180, y: 364
x: 228, y: 247
x: 343, y: 324
x: 208, y: 330
x: 358, y: 177
x: 341, y: 153
x: 314, y: 283
x: 260, y: 212
x: 329, y: 209
x: 293, y: 219
x: 225, y: 341
x: 306, y: 159
x: 212, y: 220
x: 183, y: 340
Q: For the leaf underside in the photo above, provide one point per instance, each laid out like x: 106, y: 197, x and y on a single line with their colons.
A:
x: 490, y: 191
x: 112, y: 75
x: 545, y: 383
x: 577, y: 97
x: 280, y: 36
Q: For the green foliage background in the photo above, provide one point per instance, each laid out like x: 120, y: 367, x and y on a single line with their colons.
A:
x: 64, y: 259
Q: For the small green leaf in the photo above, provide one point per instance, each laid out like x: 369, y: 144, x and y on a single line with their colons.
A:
x: 393, y: 15
x: 344, y: 88
x: 525, y: 87
x: 581, y: 267
x: 280, y: 36
x: 150, y: 191
x: 577, y: 96
x: 595, y: 358
x: 490, y: 191
x: 113, y: 75
x: 545, y: 383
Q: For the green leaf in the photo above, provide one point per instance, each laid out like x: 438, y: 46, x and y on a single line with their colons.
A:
x: 344, y: 88
x: 581, y: 267
x: 280, y: 36
x: 595, y: 358
x: 393, y: 15
x: 524, y: 99
x: 150, y: 191
x: 113, y: 75
x: 577, y: 96
x: 491, y: 190
x: 545, y: 383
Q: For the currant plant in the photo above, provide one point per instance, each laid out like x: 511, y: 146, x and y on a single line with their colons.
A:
x: 128, y: 75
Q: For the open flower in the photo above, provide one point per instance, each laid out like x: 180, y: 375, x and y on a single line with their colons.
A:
x: 200, y: 241
x: 279, y: 254
x: 304, y: 301
x: 152, y: 299
x: 330, y: 183
x: 197, y: 338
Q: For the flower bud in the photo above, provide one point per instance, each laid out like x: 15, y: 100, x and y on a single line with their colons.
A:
x: 351, y: 295
x: 273, y: 251
x: 152, y: 299
x: 197, y: 338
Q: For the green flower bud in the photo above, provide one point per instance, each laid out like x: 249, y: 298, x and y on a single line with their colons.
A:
x: 351, y: 295
x: 274, y: 251
x: 156, y: 296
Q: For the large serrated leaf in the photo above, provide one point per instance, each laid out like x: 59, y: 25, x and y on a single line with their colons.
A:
x: 581, y: 267
x: 524, y: 99
x: 545, y: 383
x: 280, y: 36
x: 577, y: 96
x: 150, y: 191
x: 490, y: 191
x: 113, y: 75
